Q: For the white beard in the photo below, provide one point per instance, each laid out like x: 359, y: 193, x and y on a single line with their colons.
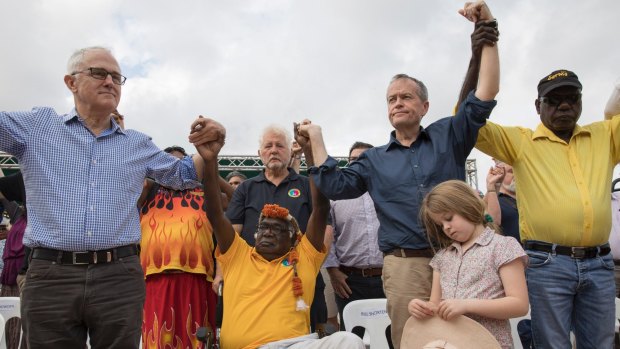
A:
x: 512, y: 187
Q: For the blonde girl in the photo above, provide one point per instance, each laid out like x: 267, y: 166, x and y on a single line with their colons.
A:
x: 476, y: 272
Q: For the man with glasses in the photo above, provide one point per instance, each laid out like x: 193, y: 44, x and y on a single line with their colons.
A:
x: 83, y: 175
x: 564, y: 173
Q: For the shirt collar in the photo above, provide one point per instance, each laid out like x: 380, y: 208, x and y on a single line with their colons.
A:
x: 484, y: 239
x: 395, y: 143
x: 73, y: 116
x: 292, y: 175
x: 543, y: 132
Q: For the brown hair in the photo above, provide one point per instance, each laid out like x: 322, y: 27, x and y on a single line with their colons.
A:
x: 451, y: 197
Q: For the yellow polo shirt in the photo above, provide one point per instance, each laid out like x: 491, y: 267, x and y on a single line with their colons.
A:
x: 562, y: 189
x: 259, y: 305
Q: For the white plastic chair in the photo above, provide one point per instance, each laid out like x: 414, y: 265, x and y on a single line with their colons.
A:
x: 9, y: 308
x: 2, y: 324
x: 513, y: 330
x: 371, y: 314
x: 617, y: 314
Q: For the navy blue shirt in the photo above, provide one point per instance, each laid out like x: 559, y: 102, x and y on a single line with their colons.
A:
x: 398, y: 177
x: 250, y: 196
x: 510, y: 215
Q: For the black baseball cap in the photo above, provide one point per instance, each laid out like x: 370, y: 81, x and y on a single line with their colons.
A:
x: 557, y: 79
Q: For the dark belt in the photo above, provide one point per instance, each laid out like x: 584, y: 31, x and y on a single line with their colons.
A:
x: 406, y: 252
x: 87, y: 257
x: 573, y: 252
x: 365, y: 272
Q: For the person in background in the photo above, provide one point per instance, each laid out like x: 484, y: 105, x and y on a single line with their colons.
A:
x: 235, y: 178
x: 177, y: 258
x: 354, y: 261
x: 13, y: 197
x: 501, y: 199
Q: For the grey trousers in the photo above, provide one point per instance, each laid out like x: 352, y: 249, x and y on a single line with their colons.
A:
x: 62, y: 304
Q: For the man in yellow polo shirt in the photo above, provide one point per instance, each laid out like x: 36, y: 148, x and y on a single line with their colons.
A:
x: 267, y: 288
x: 564, y: 173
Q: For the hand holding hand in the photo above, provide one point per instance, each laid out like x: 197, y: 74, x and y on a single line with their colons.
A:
x: 421, y: 309
x: 496, y: 175
x: 301, y: 134
x: 485, y: 34
x: 296, y: 149
x: 476, y: 11
x: 208, y: 136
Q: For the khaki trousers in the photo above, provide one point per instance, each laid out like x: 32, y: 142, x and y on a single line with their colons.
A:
x: 403, y: 280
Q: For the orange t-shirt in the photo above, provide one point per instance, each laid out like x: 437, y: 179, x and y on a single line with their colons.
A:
x: 176, y: 233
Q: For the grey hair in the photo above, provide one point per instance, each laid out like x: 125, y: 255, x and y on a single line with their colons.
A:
x: 75, y: 61
x: 277, y: 130
x: 422, y: 91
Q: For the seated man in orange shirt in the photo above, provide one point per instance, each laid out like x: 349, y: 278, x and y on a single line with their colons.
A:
x: 268, y: 287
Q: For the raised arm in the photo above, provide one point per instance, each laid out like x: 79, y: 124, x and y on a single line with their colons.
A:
x: 199, y: 135
x: 488, y: 78
x: 613, y: 104
x: 494, y: 180
x: 309, y: 133
x: 317, y: 222
x: 209, y: 151
x: 485, y: 34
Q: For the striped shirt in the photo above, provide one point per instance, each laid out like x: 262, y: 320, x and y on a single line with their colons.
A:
x: 355, y: 234
x: 82, y: 189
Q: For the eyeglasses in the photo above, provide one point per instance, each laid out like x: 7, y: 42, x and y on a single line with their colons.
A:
x: 557, y: 100
x: 275, y: 229
x: 102, y: 74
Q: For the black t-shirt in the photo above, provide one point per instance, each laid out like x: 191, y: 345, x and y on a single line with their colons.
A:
x: 510, y: 216
x: 249, y: 198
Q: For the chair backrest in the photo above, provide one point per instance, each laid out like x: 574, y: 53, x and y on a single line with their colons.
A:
x: 617, y: 324
x: 9, y: 308
x: 2, y: 323
x: 516, y: 340
x: 371, y: 314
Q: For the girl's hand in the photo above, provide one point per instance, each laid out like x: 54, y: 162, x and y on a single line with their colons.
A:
x: 450, y: 308
x: 421, y: 309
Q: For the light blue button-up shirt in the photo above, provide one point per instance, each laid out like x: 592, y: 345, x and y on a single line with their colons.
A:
x: 82, y: 189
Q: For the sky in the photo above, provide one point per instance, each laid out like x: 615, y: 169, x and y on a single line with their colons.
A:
x: 249, y: 64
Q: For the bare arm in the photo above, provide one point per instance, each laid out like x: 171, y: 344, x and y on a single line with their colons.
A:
x: 613, y: 104
x: 420, y: 308
x: 514, y: 304
x: 295, y: 162
x: 494, y: 178
x: 317, y: 222
x: 225, y: 187
x: 485, y: 34
x: 223, y: 230
x: 488, y: 78
x: 198, y: 165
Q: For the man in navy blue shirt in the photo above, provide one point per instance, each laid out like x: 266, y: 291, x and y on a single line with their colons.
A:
x: 399, y: 174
